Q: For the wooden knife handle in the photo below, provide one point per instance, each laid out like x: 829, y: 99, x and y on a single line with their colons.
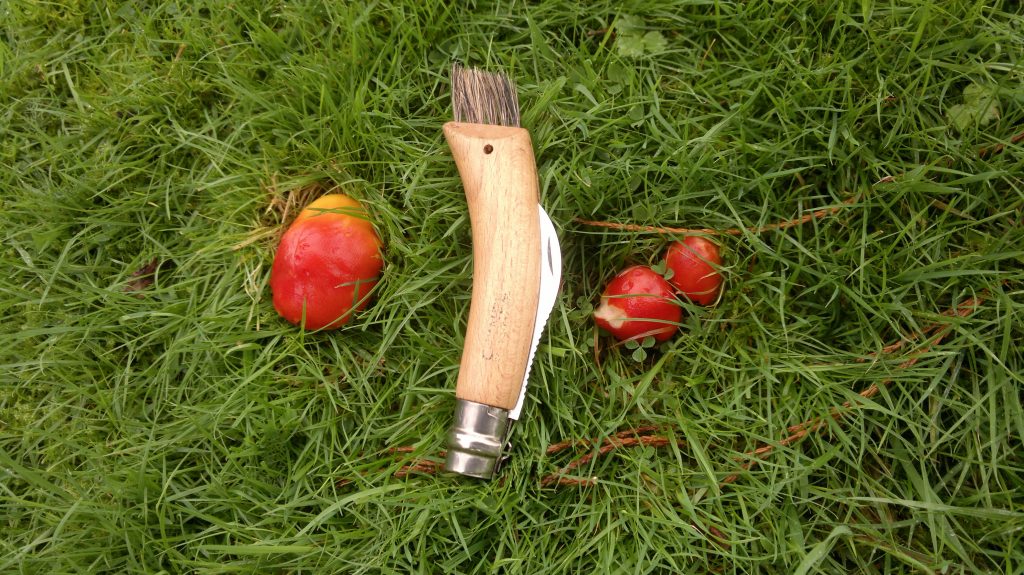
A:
x: 499, y: 174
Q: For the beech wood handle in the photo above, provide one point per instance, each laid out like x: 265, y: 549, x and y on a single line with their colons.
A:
x: 499, y: 175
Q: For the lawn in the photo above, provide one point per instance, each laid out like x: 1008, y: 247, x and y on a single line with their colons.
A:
x: 852, y: 404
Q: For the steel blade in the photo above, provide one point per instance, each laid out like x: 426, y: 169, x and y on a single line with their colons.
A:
x: 550, y: 276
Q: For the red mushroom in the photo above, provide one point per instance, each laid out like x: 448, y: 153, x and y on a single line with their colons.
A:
x: 694, y: 262
x: 638, y: 303
x: 326, y: 264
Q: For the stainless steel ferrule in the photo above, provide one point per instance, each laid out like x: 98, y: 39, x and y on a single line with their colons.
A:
x: 476, y: 441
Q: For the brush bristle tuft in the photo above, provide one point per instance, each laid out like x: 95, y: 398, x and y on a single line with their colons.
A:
x: 480, y: 97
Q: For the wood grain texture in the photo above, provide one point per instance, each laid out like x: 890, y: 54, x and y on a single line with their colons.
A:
x: 499, y: 174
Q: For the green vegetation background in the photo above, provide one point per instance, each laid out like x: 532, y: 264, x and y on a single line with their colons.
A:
x: 185, y: 428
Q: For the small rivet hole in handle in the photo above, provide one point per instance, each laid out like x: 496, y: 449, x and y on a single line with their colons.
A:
x: 488, y: 149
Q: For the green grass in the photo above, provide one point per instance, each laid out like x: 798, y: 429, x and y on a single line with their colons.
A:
x: 193, y: 431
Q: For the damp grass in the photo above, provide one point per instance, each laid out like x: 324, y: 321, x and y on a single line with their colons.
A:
x: 156, y: 415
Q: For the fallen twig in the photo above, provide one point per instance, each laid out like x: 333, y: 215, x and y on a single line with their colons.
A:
x: 563, y: 445
x: 797, y: 432
x: 815, y: 215
x: 609, y: 444
x: 999, y: 148
x: 425, y: 466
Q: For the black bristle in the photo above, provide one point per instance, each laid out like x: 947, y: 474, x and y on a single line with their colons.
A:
x: 480, y: 97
